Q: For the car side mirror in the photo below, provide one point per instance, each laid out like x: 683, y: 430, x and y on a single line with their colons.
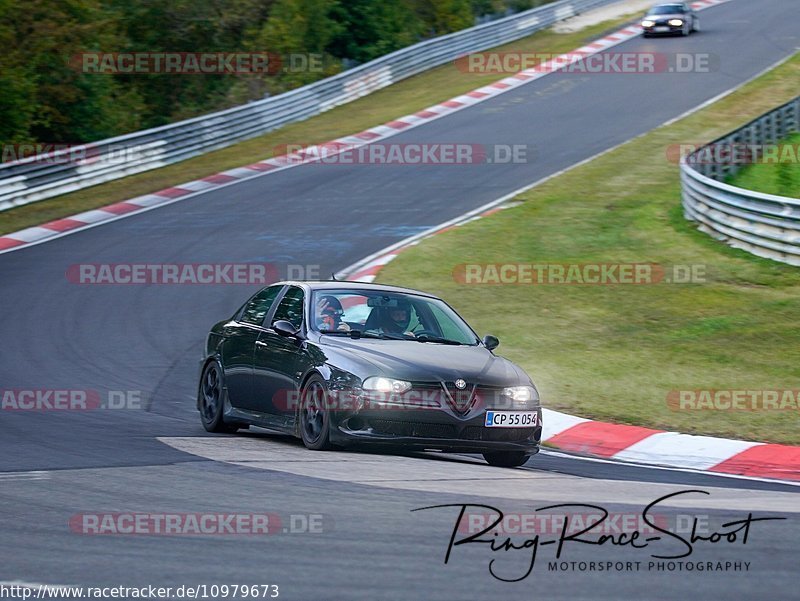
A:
x: 285, y: 328
x: 491, y: 342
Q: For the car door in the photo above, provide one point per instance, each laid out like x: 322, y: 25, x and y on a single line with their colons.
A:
x: 240, y: 343
x: 275, y: 377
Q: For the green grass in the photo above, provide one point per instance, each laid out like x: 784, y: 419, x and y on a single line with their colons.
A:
x: 615, y: 352
x: 779, y: 175
x: 403, y: 98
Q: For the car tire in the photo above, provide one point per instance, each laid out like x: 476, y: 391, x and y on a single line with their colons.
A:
x: 645, y: 35
x: 696, y: 25
x: 313, y: 416
x: 506, y: 458
x: 685, y: 30
x: 211, y: 399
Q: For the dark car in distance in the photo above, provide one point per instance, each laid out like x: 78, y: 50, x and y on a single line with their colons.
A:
x: 672, y: 18
x: 344, y: 363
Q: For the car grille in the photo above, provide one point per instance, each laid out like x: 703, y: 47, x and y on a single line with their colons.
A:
x: 497, y: 434
x: 412, y: 429
x: 446, y: 393
x: 448, y: 431
x: 460, y: 399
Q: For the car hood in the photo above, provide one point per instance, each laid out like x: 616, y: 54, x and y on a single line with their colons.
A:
x: 423, y: 361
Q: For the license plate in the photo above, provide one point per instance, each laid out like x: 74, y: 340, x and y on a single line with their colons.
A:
x: 511, y: 419
x: 660, y: 29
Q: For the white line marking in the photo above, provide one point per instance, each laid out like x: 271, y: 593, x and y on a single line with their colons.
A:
x: 4, y: 476
x: 34, y: 585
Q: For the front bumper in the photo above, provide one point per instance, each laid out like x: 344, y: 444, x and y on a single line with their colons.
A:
x: 663, y: 29
x: 434, y: 429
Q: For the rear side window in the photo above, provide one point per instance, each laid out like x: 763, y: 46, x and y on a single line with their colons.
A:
x: 291, y: 307
x: 257, y: 307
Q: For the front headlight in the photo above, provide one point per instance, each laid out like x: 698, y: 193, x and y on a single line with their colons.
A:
x: 381, y: 384
x: 648, y: 23
x: 675, y: 22
x: 521, y: 397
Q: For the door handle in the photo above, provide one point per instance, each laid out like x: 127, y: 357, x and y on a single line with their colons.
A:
x: 259, y: 343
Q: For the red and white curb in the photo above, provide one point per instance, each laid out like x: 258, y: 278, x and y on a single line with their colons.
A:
x: 657, y: 447
x: 68, y: 225
x: 633, y: 444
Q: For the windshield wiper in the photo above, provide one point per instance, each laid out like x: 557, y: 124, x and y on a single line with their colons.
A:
x: 362, y: 334
x: 355, y: 334
x: 438, y: 340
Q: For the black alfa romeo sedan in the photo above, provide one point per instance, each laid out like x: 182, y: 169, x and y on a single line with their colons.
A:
x: 343, y: 363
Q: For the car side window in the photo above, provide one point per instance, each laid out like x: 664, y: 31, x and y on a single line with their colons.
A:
x: 291, y: 307
x: 257, y: 308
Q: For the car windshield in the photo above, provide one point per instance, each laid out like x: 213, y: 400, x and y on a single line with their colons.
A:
x: 666, y: 9
x: 388, y: 315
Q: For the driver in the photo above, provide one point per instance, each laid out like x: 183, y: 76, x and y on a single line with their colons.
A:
x: 397, y: 319
x: 329, y: 315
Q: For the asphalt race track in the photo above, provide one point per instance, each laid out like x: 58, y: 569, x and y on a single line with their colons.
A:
x: 60, y: 335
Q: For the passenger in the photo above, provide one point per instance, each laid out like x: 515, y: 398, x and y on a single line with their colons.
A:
x: 329, y: 315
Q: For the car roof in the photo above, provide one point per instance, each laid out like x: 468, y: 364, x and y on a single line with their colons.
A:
x: 338, y: 285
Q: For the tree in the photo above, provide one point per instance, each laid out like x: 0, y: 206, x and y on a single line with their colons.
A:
x: 372, y: 28
x: 444, y: 16
x: 299, y: 31
x: 46, y: 97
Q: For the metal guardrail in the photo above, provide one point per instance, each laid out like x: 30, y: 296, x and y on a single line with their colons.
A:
x: 763, y: 224
x: 34, y: 179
